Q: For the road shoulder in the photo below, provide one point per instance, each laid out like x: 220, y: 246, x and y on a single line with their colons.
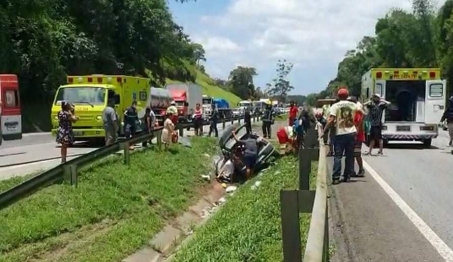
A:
x: 366, y: 225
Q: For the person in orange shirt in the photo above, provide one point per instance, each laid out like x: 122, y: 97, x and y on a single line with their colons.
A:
x: 293, y: 111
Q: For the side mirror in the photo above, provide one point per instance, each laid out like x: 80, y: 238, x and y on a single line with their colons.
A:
x: 117, y: 99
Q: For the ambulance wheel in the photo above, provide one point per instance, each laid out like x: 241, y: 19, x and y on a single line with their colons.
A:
x: 427, y: 143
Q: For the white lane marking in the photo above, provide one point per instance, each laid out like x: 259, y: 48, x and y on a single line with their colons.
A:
x: 443, y: 249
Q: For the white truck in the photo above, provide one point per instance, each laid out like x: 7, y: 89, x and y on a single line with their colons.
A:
x: 417, y: 97
x: 186, y: 97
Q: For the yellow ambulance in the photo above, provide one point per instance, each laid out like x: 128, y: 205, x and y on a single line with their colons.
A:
x: 90, y: 94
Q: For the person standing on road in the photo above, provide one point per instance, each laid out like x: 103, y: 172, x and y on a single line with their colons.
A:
x: 293, y: 111
x: 376, y: 107
x: 198, y: 120
x: 110, y: 123
x: 248, y: 120
x: 65, y: 135
x: 268, y: 120
x: 360, y: 137
x: 213, y: 121
x: 342, y: 114
x: 130, y: 121
x: 448, y: 115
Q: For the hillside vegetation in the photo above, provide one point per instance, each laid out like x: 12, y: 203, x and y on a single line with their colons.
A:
x: 43, y: 41
x: 421, y: 38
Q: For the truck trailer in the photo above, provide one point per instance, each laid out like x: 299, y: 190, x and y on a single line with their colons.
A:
x: 186, y: 97
x: 417, y: 97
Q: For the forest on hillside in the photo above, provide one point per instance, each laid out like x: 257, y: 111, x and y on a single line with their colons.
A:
x: 420, y: 38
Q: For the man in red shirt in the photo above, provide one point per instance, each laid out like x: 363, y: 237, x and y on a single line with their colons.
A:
x: 293, y: 110
x: 360, y: 138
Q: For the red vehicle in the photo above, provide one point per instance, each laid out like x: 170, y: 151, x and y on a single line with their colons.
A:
x: 11, y: 117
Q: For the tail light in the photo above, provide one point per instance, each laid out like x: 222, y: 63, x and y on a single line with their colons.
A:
x: 432, y: 74
x: 379, y: 75
x: 427, y: 128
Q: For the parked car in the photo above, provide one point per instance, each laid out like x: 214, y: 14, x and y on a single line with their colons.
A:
x: 237, y: 112
x: 233, y: 150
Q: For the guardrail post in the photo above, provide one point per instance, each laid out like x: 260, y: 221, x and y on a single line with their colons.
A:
x: 289, y: 204
x: 232, y: 120
x: 127, y: 157
x: 223, y: 123
x: 70, y: 174
x: 239, y: 120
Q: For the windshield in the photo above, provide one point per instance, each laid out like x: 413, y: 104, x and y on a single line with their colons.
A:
x: 81, y: 95
x: 207, y: 101
x: 179, y: 103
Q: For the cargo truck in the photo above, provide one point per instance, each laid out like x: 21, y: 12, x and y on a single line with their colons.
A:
x: 417, y: 97
x: 10, y: 108
x: 186, y: 96
x: 90, y: 94
x: 159, y: 101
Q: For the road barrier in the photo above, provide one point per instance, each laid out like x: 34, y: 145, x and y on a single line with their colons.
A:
x: 304, y: 200
x: 69, y: 170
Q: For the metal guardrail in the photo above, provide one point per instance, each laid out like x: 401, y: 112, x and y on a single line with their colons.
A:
x: 304, y: 200
x: 68, y: 171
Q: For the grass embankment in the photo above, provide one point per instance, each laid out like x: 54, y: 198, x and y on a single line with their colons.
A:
x: 210, y: 88
x: 248, y: 227
x: 115, y: 210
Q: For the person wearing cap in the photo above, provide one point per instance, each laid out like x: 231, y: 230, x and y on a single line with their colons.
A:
x: 342, y: 115
x: 360, y: 137
x: 173, y: 110
x: 376, y: 107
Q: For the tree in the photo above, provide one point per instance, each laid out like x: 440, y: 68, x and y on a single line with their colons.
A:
x: 42, y: 41
x: 279, y: 86
x: 241, y: 81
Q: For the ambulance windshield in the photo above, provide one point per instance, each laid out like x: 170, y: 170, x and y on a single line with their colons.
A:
x: 81, y: 95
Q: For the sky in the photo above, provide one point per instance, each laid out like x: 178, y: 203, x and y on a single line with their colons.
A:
x: 313, y: 35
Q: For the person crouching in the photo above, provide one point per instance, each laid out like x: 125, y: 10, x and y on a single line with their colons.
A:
x: 285, y: 136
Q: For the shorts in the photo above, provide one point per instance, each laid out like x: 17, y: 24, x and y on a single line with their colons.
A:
x: 357, y: 148
x: 249, y: 161
x: 375, y: 133
x: 110, y: 136
x: 282, y: 137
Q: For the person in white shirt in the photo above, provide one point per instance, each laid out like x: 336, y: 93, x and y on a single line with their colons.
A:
x: 342, y: 116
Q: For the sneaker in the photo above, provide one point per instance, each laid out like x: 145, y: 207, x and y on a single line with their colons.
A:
x: 335, y: 181
x: 346, y: 179
x: 361, y: 173
x: 380, y: 153
x: 354, y: 174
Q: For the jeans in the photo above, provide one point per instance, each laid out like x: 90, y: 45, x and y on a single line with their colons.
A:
x: 343, y: 143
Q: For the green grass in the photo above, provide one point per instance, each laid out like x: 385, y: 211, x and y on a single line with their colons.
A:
x: 248, y: 226
x: 115, y: 210
x: 210, y: 88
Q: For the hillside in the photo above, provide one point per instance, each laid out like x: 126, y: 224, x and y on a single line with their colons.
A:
x: 211, y: 88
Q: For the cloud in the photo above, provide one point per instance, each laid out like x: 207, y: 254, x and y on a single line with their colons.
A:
x: 314, y: 35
